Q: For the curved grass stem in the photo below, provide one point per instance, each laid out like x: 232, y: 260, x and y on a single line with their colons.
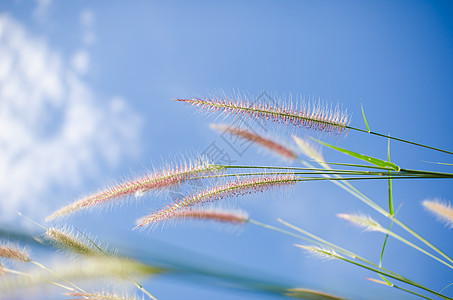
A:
x: 323, y: 243
x: 402, y: 172
x: 398, y: 139
x: 344, y: 184
x: 57, y: 275
x: 377, y: 271
x: 132, y: 279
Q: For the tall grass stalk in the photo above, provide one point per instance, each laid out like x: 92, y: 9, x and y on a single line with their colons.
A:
x: 323, y: 244
x: 221, y: 181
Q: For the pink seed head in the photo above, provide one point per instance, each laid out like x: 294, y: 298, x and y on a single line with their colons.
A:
x: 12, y: 252
x: 316, y: 116
x: 262, y: 141
x: 232, y: 217
x: 236, y: 188
x: 139, y: 186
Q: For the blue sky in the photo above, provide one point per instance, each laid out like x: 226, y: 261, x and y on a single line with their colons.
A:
x: 85, y: 101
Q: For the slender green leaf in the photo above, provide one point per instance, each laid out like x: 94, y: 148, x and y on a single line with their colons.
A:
x: 364, y: 119
x: 385, y: 279
x: 390, y: 206
x: 389, y: 182
x: 383, y: 246
x: 372, y: 160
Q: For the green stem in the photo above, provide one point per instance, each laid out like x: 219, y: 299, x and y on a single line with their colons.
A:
x: 383, y: 246
x: 135, y: 282
x: 376, y: 207
x: 352, y: 190
x: 391, y: 212
x: 280, y: 230
x: 421, y: 172
x: 141, y: 288
x: 286, y: 116
x: 402, y: 172
x: 351, y: 173
x: 405, y: 227
x: 322, y: 242
x: 351, y: 165
x: 390, y: 276
x: 410, y: 292
x: 398, y: 237
x: 389, y: 184
x: 398, y: 139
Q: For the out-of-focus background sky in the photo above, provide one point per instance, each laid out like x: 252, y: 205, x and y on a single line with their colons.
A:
x: 85, y: 101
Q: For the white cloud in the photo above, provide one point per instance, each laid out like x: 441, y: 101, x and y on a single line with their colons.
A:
x: 42, y: 8
x: 87, y: 19
x: 81, y: 61
x: 54, y: 130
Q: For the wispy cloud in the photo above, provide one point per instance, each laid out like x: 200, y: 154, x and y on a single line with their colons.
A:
x: 54, y: 129
x: 80, y: 61
x: 41, y: 8
x: 87, y: 20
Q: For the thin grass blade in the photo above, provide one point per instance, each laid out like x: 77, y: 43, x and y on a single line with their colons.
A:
x: 372, y: 160
x: 364, y: 119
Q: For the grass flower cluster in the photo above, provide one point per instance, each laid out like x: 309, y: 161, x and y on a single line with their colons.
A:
x: 90, y: 260
x: 316, y: 116
x: 137, y: 187
x: 236, y: 188
x: 269, y: 144
x: 13, y: 252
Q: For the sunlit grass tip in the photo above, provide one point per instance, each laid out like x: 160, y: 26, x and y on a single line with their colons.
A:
x: 11, y: 251
x: 323, y: 253
x: 441, y: 209
x: 230, y: 189
x: 377, y: 281
x: 101, y: 296
x: 88, y: 269
x: 314, y: 115
x: 366, y: 222
x: 270, y: 144
x: 136, y: 187
x: 235, y: 217
x: 304, y: 293
x: 66, y: 239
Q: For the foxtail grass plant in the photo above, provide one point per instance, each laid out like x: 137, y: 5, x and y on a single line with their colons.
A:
x: 442, y: 210
x: 100, y: 296
x: 222, y: 182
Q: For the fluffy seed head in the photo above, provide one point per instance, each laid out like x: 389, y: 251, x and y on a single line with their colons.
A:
x: 377, y: 281
x: 231, y: 189
x: 158, y: 180
x: 65, y: 239
x: 363, y: 221
x: 89, y: 268
x: 99, y: 296
x: 442, y: 210
x: 316, y: 116
x: 264, y: 142
x: 324, y: 253
x: 11, y: 251
x: 232, y: 217
x: 302, y: 293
